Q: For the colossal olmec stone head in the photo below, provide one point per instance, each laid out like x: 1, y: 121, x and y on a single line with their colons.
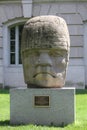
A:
x: 45, y: 51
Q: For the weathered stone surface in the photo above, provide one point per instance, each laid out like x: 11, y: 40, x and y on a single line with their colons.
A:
x: 67, y: 7
x: 1, y: 74
x: 1, y: 32
x: 1, y: 62
x: 76, y: 40
x: 1, y: 53
x: 78, y: 72
x: 1, y: 44
x: 6, y: 14
x: 44, y: 10
x: 14, y: 77
x: 54, y: 8
x: 45, y: 51
x: 27, y: 8
x: 82, y: 9
x: 85, y: 76
x: 36, y: 9
x: 60, y: 111
x: 76, y: 52
x: 76, y: 62
x: 75, y: 29
x: 16, y: 11
x: 2, y: 14
x: 72, y: 18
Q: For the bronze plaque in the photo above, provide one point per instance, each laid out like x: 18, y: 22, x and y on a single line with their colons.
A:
x: 41, y: 101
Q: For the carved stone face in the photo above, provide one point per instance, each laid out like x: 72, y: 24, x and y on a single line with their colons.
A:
x: 45, y: 51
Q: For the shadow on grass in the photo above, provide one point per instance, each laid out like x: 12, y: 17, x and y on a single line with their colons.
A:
x: 4, y: 91
x: 81, y: 91
x: 4, y: 123
x: 7, y: 123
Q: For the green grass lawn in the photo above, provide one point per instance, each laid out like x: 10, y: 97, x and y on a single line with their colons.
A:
x: 81, y: 114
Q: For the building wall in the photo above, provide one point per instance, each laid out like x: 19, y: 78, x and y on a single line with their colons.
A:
x: 73, y: 12
x: 9, y: 76
x: 1, y: 58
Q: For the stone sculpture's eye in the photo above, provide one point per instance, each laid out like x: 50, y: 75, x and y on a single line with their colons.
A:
x: 55, y: 53
x: 36, y: 53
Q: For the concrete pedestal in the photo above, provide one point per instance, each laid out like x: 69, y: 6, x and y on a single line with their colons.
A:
x: 42, y: 106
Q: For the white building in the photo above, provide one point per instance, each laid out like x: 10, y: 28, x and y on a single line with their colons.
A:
x: 13, y: 15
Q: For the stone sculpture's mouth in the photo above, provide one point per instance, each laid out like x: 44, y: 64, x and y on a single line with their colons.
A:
x: 46, y: 73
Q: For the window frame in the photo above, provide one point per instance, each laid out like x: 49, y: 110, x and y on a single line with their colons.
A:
x: 16, y: 45
x: 6, y: 40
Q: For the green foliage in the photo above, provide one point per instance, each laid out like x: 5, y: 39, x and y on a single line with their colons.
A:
x: 81, y: 114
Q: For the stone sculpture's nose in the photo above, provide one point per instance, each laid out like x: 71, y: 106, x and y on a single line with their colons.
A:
x: 44, y: 60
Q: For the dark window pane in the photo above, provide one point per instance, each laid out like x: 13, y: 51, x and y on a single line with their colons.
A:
x: 12, y: 58
x: 12, y: 46
x: 20, y: 35
x: 20, y: 31
x: 12, y: 33
x: 20, y: 62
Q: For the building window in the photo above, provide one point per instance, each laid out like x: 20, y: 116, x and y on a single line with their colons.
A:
x: 15, y: 44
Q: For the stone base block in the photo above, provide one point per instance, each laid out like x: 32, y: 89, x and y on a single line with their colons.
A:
x: 42, y: 106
